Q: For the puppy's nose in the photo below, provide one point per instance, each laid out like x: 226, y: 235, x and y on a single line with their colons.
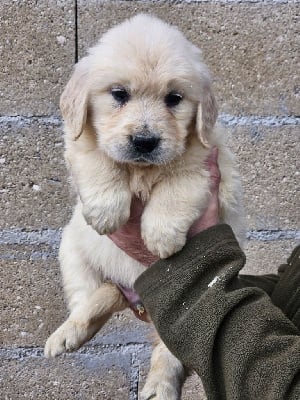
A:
x: 144, y: 143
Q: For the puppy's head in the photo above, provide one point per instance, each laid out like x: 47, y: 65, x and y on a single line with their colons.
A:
x: 144, y: 89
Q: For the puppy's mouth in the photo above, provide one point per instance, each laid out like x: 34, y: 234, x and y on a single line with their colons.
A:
x: 142, y: 159
x: 142, y: 149
x: 130, y: 155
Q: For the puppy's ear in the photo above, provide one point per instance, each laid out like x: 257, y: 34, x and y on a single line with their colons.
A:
x: 206, y: 115
x: 74, y: 100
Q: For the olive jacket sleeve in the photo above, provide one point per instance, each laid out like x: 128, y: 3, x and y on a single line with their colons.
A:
x: 240, y: 344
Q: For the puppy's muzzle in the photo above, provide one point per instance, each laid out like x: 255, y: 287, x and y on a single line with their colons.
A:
x: 144, y: 144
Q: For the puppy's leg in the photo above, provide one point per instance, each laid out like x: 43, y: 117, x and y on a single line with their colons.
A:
x: 85, y: 320
x: 173, y: 207
x: 90, y: 301
x: 103, y: 189
x: 166, y: 376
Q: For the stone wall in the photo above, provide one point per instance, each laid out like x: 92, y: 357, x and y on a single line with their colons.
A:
x: 252, y: 49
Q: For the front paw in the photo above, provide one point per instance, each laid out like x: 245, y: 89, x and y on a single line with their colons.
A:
x: 68, y: 337
x: 106, y: 213
x: 162, y: 237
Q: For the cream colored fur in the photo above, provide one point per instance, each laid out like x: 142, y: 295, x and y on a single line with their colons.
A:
x: 149, y: 59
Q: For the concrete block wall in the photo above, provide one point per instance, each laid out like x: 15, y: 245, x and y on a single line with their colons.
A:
x: 252, y: 49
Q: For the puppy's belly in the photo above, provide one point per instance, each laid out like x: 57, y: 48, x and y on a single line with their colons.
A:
x: 99, y: 252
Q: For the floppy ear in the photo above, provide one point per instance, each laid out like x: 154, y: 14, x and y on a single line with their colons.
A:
x: 206, y: 115
x: 74, y: 100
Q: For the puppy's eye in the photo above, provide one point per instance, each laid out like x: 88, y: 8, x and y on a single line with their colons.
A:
x: 120, y: 95
x: 173, y: 99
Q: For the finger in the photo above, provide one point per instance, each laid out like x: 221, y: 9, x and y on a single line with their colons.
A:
x: 212, y: 167
x: 214, y: 155
x: 212, y: 158
x: 136, y: 209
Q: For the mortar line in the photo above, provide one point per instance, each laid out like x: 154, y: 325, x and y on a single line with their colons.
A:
x: 33, y: 256
x: 134, y: 377
x: 24, y: 120
x: 257, y: 120
x: 271, y: 235
x: 20, y: 237
x: 76, y: 30
x: 52, y: 237
x: 22, y: 352
x: 52, y: 254
x: 263, y: 2
x: 228, y: 120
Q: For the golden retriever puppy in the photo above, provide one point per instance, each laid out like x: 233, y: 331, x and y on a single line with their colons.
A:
x: 140, y: 119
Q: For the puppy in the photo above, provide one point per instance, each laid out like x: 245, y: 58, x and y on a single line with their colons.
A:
x: 140, y: 119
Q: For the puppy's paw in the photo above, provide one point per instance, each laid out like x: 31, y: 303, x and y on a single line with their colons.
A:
x: 157, y: 389
x: 68, y: 337
x: 106, y: 213
x: 162, y: 238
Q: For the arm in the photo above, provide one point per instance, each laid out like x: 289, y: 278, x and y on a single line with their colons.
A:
x: 101, y: 185
x: 235, y: 338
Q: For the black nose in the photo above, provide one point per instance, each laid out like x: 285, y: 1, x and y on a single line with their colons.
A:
x: 144, y: 143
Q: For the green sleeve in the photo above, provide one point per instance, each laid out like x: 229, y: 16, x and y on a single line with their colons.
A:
x: 240, y: 344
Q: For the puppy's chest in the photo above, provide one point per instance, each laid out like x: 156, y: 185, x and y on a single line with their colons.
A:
x: 142, y: 181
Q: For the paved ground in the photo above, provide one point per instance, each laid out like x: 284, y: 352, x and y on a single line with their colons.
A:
x: 253, y: 52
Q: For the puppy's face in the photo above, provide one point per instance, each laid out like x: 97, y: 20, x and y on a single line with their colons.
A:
x: 142, y: 92
x: 142, y: 119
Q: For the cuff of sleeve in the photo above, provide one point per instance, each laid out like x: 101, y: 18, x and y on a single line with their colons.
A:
x: 286, y: 293
x: 206, y: 242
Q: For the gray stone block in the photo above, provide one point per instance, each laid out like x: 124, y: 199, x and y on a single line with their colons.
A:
x: 32, y: 301
x: 251, y: 49
x: 33, y: 305
x: 28, y: 375
x: 268, y: 160
x: 34, y: 187
x: 37, y: 52
x: 266, y: 257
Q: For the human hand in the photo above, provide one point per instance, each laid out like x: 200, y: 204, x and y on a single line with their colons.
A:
x: 128, y: 237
